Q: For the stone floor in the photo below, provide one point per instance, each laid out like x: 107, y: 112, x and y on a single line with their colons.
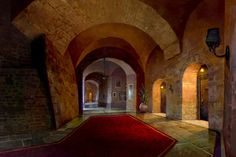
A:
x: 202, y: 123
x: 193, y: 141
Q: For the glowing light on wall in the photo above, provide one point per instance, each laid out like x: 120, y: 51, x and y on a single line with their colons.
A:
x: 202, y: 70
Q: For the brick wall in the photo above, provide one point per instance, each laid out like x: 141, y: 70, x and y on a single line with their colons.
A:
x: 24, y: 103
x: 15, y: 47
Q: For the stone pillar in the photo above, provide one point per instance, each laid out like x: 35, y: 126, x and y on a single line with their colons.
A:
x: 230, y: 80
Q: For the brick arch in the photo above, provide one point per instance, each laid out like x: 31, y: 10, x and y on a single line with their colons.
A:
x: 70, y: 18
x: 215, y: 88
x: 198, y: 59
x: 95, y: 76
x: 109, y: 52
x: 191, y: 67
x: 103, y: 35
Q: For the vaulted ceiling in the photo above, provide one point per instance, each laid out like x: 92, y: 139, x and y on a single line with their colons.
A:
x: 144, y: 24
x: 176, y: 12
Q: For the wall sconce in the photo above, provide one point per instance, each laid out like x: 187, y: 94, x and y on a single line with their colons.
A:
x: 171, y: 88
x: 202, y: 70
x: 213, y: 41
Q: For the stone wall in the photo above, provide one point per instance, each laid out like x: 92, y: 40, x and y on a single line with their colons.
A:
x: 230, y: 80
x: 24, y: 104
x: 118, y: 89
x: 15, y: 47
x: 62, y: 83
x: 194, y: 51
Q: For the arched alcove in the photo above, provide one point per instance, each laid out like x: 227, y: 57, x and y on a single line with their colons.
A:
x: 189, y: 92
x: 163, y: 97
x: 156, y: 96
x: 91, y: 93
x: 202, y: 93
x: 195, y: 92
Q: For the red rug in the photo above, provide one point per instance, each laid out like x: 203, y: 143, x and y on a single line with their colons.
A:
x: 105, y: 136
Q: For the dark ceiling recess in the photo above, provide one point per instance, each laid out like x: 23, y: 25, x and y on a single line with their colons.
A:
x: 95, y: 76
x: 175, y: 12
x: 17, y: 6
x: 130, y: 58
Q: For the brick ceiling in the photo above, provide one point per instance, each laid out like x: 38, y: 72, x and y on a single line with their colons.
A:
x: 176, y: 12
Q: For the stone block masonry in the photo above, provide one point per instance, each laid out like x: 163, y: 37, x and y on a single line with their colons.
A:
x: 23, y: 101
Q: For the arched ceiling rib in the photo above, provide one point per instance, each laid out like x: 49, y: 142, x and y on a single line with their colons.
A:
x: 92, y: 81
x: 125, y: 36
x: 62, y: 20
x: 118, y: 54
x: 181, y: 10
x: 111, y: 65
x: 98, y: 66
x: 94, y: 77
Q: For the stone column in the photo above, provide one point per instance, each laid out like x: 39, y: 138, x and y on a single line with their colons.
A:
x: 230, y: 80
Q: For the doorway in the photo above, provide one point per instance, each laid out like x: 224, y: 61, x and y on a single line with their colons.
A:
x: 163, y: 97
x: 202, y: 82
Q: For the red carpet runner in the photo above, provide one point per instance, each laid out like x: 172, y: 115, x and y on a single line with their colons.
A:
x: 105, y: 136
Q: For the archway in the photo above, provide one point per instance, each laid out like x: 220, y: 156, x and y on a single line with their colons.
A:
x: 202, y: 93
x: 163, y: 97
x: 194, y: 92
x: 110, y: 52
x: 159, y: 96
x: 91, y: 93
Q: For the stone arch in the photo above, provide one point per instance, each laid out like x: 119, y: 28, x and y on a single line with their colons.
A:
x: 215, y: 94
x: 109, y: 52
x: 130, y: 78
x: 201, y: 60
x: 126, y: 67
x: 197, y: 45
x: 125, y: 36
x: 88, y: 13
x: 189, y: 87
